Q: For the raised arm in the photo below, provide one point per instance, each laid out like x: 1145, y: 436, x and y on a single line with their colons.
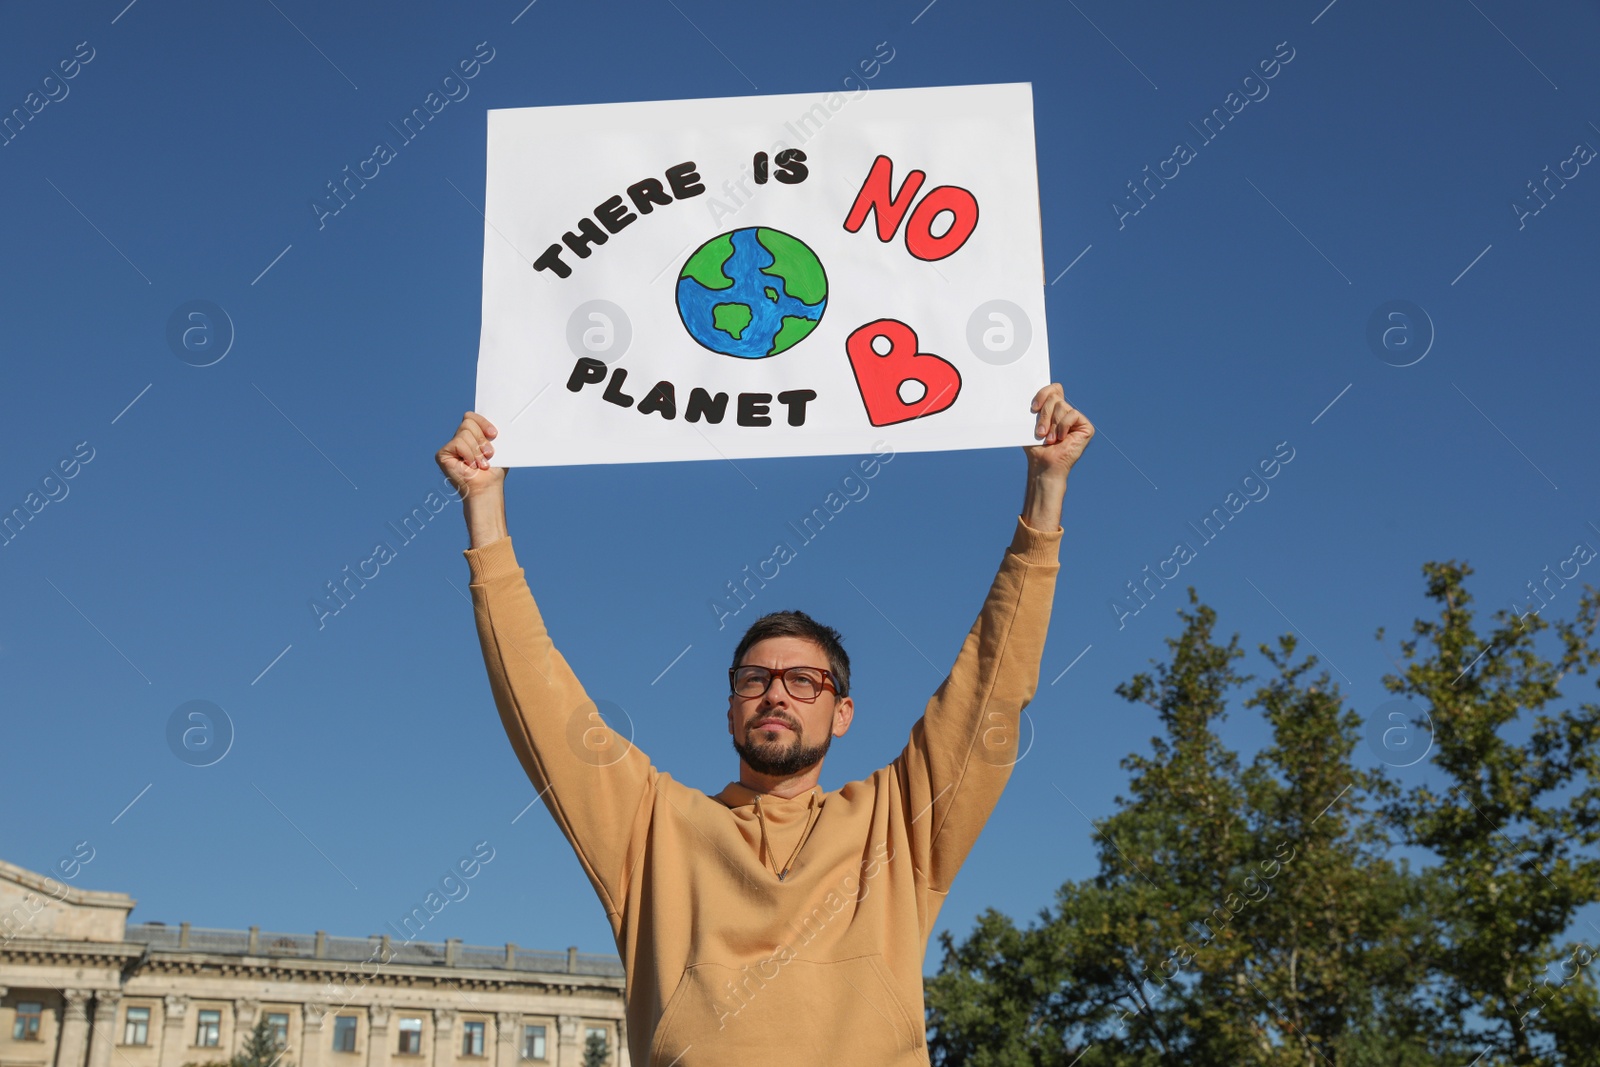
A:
x: 593, y: 780
x: 961, y: 751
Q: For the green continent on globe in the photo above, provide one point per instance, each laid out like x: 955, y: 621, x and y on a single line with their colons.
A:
x: 705, y: 266
x: 789, y: 334
x: 792, y: 261
x: 731, y: 319
x: 772, y: 294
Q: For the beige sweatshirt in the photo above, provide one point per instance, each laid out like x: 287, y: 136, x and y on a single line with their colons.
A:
x: 726, y: 963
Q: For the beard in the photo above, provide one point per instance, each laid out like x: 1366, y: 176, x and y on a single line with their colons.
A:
x: 778, y: 758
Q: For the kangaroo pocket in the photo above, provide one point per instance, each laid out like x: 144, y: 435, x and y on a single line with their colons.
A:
x: 797, y: 1011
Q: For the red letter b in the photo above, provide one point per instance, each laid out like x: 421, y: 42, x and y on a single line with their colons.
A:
x: 880, y: 377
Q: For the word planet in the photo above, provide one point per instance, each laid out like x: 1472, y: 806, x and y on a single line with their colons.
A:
x: 752, y: 292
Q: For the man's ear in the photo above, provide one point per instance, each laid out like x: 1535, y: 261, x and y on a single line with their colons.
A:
x: 731, y: 714
x: 843, y: 715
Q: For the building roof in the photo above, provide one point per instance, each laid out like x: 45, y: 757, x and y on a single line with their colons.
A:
x: 44, y: 909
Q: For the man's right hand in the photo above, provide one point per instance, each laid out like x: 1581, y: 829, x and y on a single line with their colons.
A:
x: 465, y: 461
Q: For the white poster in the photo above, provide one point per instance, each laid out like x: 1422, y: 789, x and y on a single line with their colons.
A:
x: 762, y: 276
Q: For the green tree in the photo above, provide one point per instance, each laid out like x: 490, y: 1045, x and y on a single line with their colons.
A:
x: 1238, y: 915
x: 596, y: 1051
x: 1338, y: 951
x: 260, y: 1050
x: 1512, y: 823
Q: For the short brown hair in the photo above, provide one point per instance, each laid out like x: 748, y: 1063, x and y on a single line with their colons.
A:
x: 799, y: 624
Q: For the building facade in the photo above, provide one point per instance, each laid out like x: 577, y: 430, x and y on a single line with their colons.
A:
x: 82, y: 987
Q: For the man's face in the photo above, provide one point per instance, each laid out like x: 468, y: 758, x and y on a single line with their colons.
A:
x: 775, y: 733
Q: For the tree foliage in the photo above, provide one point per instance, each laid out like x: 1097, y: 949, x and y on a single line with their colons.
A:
x: 1512, y: 823
x: 596, y: 1051
x: 1309, y: 908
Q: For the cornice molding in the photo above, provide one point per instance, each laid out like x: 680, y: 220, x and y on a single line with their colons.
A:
x: 112, y: 955
x: 192, y: 964
x: 125, y: 961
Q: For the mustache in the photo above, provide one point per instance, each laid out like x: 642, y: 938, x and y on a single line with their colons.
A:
x: 773, y: 715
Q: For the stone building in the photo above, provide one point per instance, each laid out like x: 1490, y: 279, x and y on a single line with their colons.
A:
x: 80, y: 986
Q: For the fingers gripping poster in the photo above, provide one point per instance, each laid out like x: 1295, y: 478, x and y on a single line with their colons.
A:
x: 762, y: 276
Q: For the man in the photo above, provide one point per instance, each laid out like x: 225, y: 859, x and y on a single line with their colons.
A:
x: 774, y: 923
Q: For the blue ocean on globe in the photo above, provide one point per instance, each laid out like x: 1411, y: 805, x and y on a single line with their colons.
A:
x: 757, y: 315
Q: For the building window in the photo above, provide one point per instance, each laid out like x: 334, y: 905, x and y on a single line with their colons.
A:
x: 26, y: 1027
x: 208, y: 1030
x: 598, y: 1040
x: 136, y: 1027
x: 344, y: 1033
x: 533, y: 1042
x: 411, y: 1036
x: 278, y: 1028
x: 472, y: 1038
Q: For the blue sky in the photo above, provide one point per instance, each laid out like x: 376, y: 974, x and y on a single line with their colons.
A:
x: 1227, y: 317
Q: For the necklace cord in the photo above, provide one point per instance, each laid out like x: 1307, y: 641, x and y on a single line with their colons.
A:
x: 811, y: 821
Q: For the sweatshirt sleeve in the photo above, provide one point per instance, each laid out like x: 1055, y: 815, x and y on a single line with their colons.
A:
x: 595, y: 782
x: 961, y: 751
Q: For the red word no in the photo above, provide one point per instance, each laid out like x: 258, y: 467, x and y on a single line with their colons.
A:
x: 876, y: 195
x: 881, y: 377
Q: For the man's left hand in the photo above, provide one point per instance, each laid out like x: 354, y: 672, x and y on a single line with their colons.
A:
x: 1064, y: 429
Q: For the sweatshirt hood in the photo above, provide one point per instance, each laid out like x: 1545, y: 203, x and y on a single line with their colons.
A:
x: 735, y: 795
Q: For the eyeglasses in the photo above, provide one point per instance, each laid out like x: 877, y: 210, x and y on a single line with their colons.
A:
x: 802, y: 683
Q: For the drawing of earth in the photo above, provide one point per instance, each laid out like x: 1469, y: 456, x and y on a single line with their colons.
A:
x: 752, y: 292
